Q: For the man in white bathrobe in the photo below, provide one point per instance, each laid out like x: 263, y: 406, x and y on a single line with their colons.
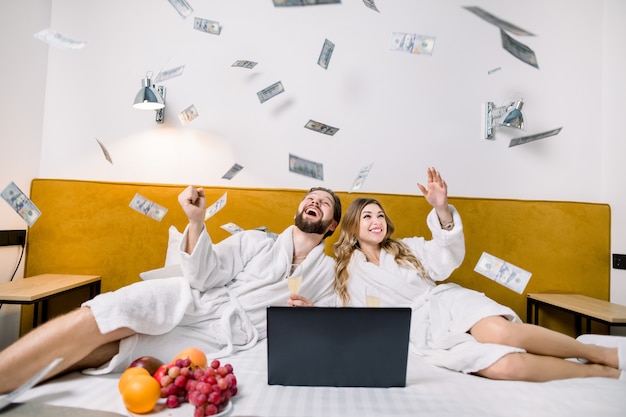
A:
x: 217, y: 305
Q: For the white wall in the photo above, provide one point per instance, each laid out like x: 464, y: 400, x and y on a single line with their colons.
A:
x: 402, y: 112
x: 22, y: 87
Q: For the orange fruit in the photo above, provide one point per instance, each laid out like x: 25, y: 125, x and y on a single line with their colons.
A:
x: 141, y: 394
x: 195, y: 355
x: 128, y: 374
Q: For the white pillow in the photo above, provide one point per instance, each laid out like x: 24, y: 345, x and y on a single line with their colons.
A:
x: 172, y: 257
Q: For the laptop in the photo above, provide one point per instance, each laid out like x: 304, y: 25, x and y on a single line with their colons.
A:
x: 339, y: 347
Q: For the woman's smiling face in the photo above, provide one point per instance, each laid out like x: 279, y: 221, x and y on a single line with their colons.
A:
x: 372, y: 225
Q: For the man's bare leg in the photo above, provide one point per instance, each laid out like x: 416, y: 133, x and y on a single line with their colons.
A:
x: 75, y: 337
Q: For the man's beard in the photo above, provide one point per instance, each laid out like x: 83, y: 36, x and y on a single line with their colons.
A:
x: 318, y: 227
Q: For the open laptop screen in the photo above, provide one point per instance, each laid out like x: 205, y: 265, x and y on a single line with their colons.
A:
x: 346, y: 346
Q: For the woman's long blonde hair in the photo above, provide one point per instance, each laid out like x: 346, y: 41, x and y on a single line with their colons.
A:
x: 348, y: 243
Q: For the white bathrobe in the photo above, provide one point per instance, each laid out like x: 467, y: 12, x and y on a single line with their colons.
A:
x: 441, y: 314
x: 218, y: 304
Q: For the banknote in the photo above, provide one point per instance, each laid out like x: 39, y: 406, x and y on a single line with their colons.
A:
x: 502, y: 24
x: 107, y: 156
x: 182, y: 7
x: 321, y: 127
x: 21, y: 204
x: 271, y: 91
x: 288, y: 3
x: 59, y: 40
x: 217, y: 206
x: 169, y: 73
x: 305, y: 167
x: 234, y: 170
x: 244, y: 64
x: 412, y: 43
x: 188, y: 114
x: 358, y: 182
x: 231, y: 228
x: 147, y: 207
x: 518, y: 49
x: 532, y: 138
x: 207, y: 26
x: 503, y: 273
x: 371, y: 5
x: 326, y: 54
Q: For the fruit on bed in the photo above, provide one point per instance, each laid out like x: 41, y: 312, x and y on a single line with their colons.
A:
x: 196, y: 356
x: 140, y: 391
x: 150, y: 363
x: 208, y: 390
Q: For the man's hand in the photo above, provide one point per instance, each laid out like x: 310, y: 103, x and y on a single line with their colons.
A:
x: 193, y: 203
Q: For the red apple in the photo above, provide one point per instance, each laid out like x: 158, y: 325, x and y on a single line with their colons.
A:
x: 150, y: 363
x: 160, y: 372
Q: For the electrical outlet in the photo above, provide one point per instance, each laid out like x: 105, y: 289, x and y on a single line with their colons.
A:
x: 12, y: 237
x: 619, y: 261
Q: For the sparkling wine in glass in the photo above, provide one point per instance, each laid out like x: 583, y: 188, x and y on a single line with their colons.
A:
x: 372, y: 297
x: 295, y: 279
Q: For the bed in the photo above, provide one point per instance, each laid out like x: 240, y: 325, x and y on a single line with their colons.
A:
x: 430, y: 391
x: 566, y: 246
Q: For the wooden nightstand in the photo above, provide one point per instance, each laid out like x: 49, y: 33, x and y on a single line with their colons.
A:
x: 39, y: 289
x: 580, y: 306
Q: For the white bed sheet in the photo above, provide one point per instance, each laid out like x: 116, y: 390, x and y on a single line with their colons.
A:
x: 430, y: 391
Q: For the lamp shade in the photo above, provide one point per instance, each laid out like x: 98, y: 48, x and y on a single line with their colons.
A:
x: 515, y: 117
x: 148, y: 98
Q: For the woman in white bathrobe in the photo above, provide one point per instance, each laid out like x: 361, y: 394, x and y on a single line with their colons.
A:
x: 452, y: 327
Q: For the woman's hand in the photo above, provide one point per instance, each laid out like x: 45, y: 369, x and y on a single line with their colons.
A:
x: 437, y: 192
x: 299, y: 301
x: 437, y: 195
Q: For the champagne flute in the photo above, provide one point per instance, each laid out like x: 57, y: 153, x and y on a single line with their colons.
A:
x: 372, y: 296
x: 294, y: 280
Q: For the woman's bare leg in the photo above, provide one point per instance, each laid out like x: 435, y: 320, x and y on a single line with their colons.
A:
x: 75, y: 337
x: 541, y: 341
x: 537, y: 368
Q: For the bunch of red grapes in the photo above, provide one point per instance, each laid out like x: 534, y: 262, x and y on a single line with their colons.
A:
x: 207, y: 389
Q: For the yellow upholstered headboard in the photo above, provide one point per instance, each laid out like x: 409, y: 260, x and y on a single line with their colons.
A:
x: 87, y: 227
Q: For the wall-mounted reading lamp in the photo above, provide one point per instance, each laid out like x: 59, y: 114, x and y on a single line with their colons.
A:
x: 151, y: 97
x: 509, y: 115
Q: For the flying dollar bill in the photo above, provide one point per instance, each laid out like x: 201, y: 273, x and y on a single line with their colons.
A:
x: 244, y: 64
x: 182, y: 7
x: 271, y: 91
x: 289, y: 3
x: 371, y: 5
x: 231, y: 228
x: 170, y: 73
x: 147, y: 207
x: 22, y: 205
x: 502, y: 24
x: 215, y: 207
x: 107, y: 156
x: 59, y: 40
x: 503, y: 273
x: 518, y: 50
x: 412, y: 43
x: 326, y: 54
x: 532, y: 138
x: 234, y: 170
x: 321, y: 127
x: 207, y: 26
x: 305, y: 167
x: 358, y: 182
x: 188, y: 114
